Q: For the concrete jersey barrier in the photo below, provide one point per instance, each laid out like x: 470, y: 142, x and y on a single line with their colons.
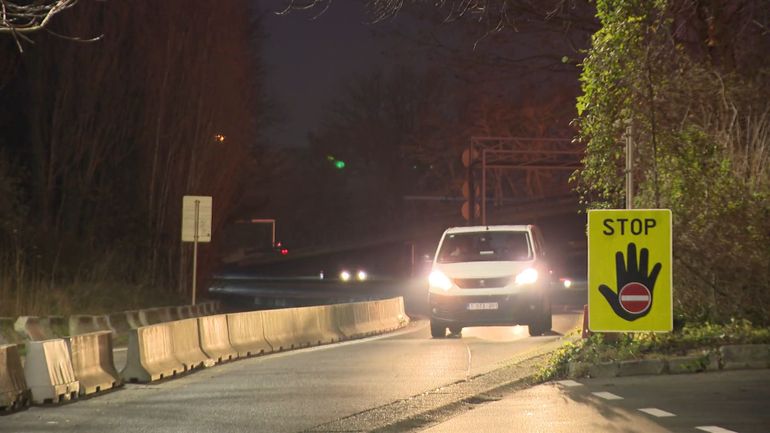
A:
x: 367, y: 318
x: 198, y: 310
x: 345, y: 320
x: 328, y: 327
x: 185, y: 338
x: 48, y: 372
x: 150, y: 355
x: 246, y: 332
x: 118, y: 322
x: 310, y: 331
x: 185, y: 312
x: 14, y: 392
x: 92, y: 362
x: 392, y: 314
x: 134, y: 321
x: 152, y: 316
x: 282, y: 329
x: 84, y: 324
x: 32, y: 328
x: 56, y: 325
x: 215, y: 340
x: 8, y: 334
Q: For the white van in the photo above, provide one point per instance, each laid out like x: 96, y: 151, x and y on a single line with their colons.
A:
x: 490, y: 276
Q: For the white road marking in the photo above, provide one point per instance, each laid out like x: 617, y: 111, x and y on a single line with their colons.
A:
x: 607, y: 395
x: 714, y: 429
x: 569, y: 383
x: 470, y: 359
x: 656, y: 412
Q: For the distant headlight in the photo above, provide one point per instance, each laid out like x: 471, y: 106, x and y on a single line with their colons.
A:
x: 345, y: 276
x: 567, y: 283
x: 361, y: 275
x: 527, y: 276
x: 438, y: 279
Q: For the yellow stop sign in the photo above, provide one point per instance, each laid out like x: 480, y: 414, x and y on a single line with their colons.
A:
x: 629, y: 270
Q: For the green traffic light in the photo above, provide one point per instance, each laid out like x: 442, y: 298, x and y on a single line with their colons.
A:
x: 339, y: 164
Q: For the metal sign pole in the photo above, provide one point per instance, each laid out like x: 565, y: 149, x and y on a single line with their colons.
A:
x: 483, y: 188
x: 629, y: 168
x: 195, y: 251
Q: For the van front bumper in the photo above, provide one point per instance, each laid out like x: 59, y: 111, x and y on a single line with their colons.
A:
x: 512, y: 309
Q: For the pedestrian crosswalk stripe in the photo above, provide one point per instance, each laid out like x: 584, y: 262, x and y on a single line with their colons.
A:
x: 569, y: 383
x: 607, y: 395
x: 714, y: 429
x: 656, y: 412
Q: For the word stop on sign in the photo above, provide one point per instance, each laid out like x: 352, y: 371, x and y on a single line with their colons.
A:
x: 629, y: 270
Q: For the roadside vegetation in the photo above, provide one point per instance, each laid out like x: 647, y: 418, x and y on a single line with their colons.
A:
x: 692, y: 339
x: 689, y: 83
x: 100, y: 140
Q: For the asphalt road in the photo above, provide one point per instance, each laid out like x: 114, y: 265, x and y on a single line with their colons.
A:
x: 723, y: 402
x: 292, y: 391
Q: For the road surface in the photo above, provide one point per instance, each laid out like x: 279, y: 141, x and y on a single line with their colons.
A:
x: 293, y: 391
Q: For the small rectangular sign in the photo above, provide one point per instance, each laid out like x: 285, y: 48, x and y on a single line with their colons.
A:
x: 630, y: 270
x: 196, y: 208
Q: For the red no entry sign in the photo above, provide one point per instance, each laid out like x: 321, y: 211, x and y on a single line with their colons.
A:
x: 635, y: 298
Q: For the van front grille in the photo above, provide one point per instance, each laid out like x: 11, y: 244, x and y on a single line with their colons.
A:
x: 482, y: 283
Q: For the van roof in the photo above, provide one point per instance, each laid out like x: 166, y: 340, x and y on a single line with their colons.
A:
x: 496, y: 228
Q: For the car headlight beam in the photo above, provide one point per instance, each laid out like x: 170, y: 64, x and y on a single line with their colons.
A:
x: 438, y: 279
x: 527, y: 276
x: 345, y: 276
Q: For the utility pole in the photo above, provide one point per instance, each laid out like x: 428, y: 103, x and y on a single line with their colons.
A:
x: 629, y: 168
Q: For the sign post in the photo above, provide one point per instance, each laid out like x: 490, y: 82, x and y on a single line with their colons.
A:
x: 630, y: 270
x: 196, y: 227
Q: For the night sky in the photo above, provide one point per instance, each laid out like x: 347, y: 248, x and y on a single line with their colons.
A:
x: 308, y: 56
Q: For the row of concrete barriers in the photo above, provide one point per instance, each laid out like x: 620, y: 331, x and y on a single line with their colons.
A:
x: 168, y: 349
x: 34, y: 328
x: 61, y: 369
x: 56, y: 370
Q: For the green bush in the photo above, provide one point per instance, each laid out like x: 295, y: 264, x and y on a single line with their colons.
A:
x: 692, y: 338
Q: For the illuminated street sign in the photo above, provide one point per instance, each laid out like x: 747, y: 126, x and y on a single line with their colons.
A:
x: 629, y: 270
x: 196, y: 218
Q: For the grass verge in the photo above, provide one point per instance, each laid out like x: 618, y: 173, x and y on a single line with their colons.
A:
x: 691, y: 339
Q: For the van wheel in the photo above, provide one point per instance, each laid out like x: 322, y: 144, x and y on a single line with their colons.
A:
x: 456, y: 330
x: 437, y: 329
x: 537, y: 328
x: 542, y: 324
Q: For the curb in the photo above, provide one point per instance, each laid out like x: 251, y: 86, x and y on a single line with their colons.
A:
x: 728, y: 357
x: 419, y: 412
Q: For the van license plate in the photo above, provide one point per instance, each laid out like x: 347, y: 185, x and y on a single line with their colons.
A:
x: 482, y: 306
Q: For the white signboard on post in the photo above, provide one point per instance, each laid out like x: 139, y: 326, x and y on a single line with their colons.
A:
x: 196, y: 214
x: 196, y: 227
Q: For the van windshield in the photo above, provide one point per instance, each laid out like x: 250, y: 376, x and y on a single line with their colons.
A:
x: 486, y: 246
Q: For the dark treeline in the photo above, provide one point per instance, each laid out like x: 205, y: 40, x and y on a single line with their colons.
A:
x: 401, y: 128
x: 99, y: 141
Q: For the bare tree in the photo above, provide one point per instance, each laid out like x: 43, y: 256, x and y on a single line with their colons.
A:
x: 21, y: 18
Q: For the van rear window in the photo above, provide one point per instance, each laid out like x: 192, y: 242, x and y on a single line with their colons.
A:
x: 486, y: 246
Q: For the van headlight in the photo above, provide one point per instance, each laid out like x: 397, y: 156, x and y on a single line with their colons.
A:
x: 438, y: 279
x: 361, y: 275
x: 527, y: 276
x: 345, y: 276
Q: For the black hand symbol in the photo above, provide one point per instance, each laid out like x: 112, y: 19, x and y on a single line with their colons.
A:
x: 631, y: 274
